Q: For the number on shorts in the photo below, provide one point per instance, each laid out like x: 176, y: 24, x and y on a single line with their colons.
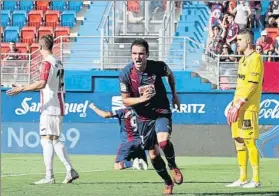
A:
x: 60, y: 76
x: 133, y: 122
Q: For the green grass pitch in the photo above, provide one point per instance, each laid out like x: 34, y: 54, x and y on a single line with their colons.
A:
x: 202, y: 176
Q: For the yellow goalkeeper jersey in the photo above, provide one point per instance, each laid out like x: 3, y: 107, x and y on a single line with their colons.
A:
x: 250, y: 70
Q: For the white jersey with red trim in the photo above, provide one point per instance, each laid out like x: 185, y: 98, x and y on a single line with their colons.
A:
x: 52, y: 96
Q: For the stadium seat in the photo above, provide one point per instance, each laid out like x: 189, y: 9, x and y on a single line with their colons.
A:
x: 26, y: 5
x: 45, y: 31
x: 34, y: 50
x: 9, y: 5
x: 5, y: 17
x: 62, y: 31
x: 35, y: 18
x: 28, y: 34
x: 68, y: 19
x: 19, y: 18
x: 23, y: 48
x: 58, y: 5
x: 272, y: 32
x: 52, y: 18
x: 75, y: 5
x: 42, y: 5
x: 4, y: 49
x: 11, y: 33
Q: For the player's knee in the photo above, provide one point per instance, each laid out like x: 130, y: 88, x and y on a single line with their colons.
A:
x: 163, y: 145
x: 162, y: 136
x: 240, y: 146
x: 153, y: 154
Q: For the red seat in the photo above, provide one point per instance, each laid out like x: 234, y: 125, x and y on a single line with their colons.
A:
x: 45, y: 31
x: 52, y: 18
x: 62, y: 31
x: 4, y: 49
x: 35, y: 18
x: 42, y: 5
x: 28, y: 34
x: 272, y: 32
x: 23, y: 48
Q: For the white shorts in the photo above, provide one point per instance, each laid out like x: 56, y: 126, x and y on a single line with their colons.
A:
x: 50, y: 124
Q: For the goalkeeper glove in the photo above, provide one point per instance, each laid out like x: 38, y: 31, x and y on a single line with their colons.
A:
x: 234, y: 111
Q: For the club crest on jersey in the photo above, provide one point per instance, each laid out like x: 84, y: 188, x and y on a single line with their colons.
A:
x: 149, y: 87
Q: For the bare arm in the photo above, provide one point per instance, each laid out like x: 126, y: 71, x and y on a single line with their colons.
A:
x: 171, y: 81
x: 131, y: 101
x: 31, y: 87
x: 100, y: 113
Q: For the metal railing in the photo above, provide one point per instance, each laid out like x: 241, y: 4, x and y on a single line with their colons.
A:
x: 225, y: 67
x: 113, y: 52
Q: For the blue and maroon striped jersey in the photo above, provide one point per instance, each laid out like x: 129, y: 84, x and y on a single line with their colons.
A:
x: 134, y: 82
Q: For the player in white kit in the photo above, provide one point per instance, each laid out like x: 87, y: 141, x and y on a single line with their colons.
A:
x: 51, y: 86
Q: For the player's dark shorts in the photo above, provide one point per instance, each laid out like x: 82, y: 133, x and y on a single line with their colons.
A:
x: 130, y: 150
x: 148, y: 130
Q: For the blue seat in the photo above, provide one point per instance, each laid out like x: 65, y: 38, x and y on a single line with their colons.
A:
x: 19, y: 18
x: 5, y: 17
x: 11, y: 33
x: 58, y: 5
x: 26, y: 5
x: 9, y: 5
x: 68, y: 19
x: 75, y: 5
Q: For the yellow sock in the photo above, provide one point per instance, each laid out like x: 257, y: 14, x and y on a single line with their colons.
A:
x: 254, y: 158
x: 242, y: 160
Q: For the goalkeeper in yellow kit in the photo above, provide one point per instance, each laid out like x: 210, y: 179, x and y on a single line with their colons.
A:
x: 243, y: 113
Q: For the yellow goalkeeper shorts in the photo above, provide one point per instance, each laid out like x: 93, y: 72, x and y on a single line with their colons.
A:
x: 246, y: 126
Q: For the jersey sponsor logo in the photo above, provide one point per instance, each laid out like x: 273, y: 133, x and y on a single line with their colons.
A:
x: 269, y: 108
x: 149, y: 87
x: 28, y: 106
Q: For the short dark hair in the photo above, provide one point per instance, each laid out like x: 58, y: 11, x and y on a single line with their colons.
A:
x: 216, y: 26
x: 247, y: 32
x: 141, y: 42
x: 46, y: 42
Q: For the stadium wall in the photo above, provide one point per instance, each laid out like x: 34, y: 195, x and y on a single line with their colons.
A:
x: 199, y: 127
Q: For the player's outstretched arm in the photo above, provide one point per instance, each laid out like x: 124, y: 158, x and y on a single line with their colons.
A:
x: 99, y: 112
x: 31, y: 87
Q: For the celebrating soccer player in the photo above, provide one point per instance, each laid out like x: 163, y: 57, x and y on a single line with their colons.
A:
x: 51, y: 86
x: 130, y: 147
x: 142, y: 89
x: 243, y: 113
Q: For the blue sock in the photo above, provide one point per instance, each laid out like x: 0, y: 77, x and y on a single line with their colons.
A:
x: 128, y: 164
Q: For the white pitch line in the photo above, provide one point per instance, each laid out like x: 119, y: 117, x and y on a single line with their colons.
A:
x: 16, y: 175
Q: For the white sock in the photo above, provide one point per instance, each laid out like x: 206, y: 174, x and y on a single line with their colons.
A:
x: 62, y: 154
x: 48, y: 154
